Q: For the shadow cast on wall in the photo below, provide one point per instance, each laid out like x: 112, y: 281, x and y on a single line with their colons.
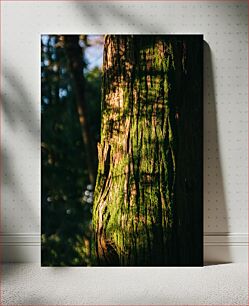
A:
x: 215, y: 211
x: 124, y: 18
x: 20, y: 119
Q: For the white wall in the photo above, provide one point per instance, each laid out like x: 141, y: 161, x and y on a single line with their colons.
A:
x: 224, y: 25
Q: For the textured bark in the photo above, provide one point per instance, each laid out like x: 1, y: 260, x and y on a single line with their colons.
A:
x: 149, y: 186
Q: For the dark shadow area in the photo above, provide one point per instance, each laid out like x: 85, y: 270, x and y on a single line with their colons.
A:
x: 215, y: 211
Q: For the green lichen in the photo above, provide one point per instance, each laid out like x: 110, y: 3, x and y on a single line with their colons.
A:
x: 135, y: 190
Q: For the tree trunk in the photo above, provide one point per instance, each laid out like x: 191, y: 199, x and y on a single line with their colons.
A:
x: 148, y: 196
x: 75, y: 60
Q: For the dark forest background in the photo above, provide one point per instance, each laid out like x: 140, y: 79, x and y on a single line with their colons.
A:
x: 67, y: 192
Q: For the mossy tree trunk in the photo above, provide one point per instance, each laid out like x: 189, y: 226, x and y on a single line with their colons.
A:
x: 148, y: 196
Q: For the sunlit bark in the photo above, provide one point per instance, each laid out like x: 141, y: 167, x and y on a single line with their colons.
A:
x: 148, y: 192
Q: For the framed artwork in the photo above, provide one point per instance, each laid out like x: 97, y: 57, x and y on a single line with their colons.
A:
x: 122, y: 150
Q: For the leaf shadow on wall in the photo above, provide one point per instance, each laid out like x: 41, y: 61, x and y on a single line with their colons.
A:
x: 19, y: 119
x: 215, y: 210
x: 123, y: 17
x: 18, y: 107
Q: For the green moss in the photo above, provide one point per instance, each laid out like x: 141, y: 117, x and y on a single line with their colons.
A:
x: 136, y: 191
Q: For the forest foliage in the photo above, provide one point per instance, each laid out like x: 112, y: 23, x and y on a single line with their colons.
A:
x: 67, y: 195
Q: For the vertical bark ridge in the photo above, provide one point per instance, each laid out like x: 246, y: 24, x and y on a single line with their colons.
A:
x: 135, y: 214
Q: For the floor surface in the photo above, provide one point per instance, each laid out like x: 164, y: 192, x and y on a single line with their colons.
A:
x: 27, y: 284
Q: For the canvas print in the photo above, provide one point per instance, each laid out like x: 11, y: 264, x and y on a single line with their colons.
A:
x: 122, y: 150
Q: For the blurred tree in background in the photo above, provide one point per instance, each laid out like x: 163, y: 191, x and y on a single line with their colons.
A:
x: 67, y: 187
